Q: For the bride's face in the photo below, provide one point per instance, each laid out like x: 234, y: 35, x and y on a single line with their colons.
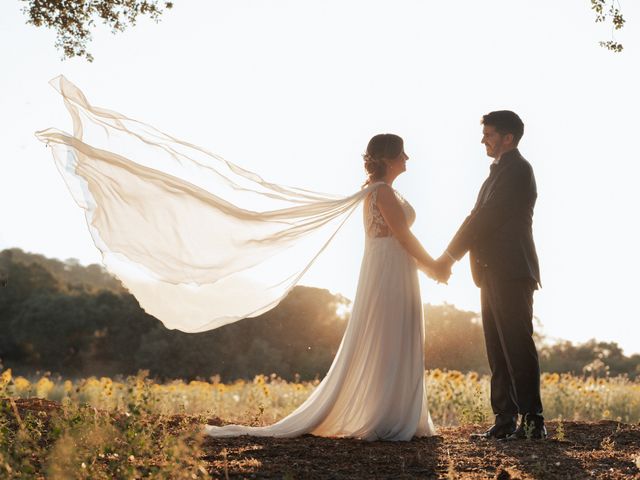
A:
x: 399, y: 164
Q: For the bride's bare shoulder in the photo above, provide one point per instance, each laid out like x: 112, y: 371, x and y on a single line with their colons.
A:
x: 386, y: 194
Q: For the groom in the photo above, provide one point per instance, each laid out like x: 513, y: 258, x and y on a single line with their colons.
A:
x: 497, y: 233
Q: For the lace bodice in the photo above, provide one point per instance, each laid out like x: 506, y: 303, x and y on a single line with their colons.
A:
x: 375, y: 226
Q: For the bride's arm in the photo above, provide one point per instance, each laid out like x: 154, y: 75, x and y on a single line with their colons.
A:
x: 393, y: 215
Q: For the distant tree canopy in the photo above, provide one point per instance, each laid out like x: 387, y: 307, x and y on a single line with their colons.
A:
x: 79, y: 321
x: 73, y: 20
x: 592, y: 358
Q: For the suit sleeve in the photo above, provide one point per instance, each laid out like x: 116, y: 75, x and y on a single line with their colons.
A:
x: 511, y: 193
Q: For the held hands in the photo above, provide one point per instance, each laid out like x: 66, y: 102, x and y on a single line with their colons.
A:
x: 443, y: 267
x: 440, y: 270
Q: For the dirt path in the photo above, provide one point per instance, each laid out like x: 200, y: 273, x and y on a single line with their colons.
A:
x: 589, y: 450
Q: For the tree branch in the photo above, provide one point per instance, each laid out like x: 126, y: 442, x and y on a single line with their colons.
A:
x: 73, y: 19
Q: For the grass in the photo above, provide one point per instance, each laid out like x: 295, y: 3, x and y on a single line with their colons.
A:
x: 135, y: 427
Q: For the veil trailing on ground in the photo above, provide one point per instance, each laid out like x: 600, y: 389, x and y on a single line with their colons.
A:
x: 198, y: 240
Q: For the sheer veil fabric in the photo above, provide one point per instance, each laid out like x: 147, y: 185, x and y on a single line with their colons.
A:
x: 198, y: 240
x: 201, y: 243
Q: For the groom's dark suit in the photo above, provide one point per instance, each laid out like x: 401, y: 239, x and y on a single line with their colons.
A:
x: 497, y: 233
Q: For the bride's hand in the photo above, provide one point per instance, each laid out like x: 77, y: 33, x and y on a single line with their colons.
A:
x: 429, y: 272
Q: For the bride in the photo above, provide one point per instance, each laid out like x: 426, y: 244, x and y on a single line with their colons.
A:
x: 375, y: 388
x: 202, y: 243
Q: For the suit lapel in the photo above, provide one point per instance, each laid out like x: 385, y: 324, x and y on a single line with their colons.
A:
x: 487, y: 186
x: 483, y: 192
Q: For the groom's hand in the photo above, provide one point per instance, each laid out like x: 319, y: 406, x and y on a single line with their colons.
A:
x: 429, y: 271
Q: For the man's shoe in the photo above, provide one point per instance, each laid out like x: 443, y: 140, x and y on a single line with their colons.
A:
x: 531, y: 427
x: 505, y: 425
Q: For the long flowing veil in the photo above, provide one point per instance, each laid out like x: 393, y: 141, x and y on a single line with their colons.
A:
x: 198, y: 240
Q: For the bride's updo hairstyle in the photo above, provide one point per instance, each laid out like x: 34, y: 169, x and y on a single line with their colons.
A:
x: 380, y: 148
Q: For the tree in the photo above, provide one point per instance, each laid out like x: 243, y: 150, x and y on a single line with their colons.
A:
x: 593, y: 358
x: 79, y: 321
x: 454, y: 339
x: 5, y: 259
x: 609, y: 11
x: 73, y: 19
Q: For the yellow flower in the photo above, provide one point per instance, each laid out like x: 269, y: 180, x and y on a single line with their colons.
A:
x: 551, y: 378
x: 21, y: 383
x: 6, y: 376
x: 92, y: 382
x: 43, y: 387
x: 198, y: 383
x: 106, y: 382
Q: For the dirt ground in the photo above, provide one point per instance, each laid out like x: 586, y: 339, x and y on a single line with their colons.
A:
x: 603, y: 450
x: 589, y: 450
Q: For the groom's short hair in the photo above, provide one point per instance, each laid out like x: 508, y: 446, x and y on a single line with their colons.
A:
x: 505, y: 121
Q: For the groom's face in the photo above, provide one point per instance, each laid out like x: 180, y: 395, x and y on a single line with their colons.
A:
x: 494, y: 142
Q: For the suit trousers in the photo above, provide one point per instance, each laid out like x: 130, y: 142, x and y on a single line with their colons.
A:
x: 507, y: 319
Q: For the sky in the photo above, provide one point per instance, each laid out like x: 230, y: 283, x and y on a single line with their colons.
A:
x: 293, y: 90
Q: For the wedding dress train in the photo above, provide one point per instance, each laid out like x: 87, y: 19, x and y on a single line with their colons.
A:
x: 202, y: 242
x: 375, y: 387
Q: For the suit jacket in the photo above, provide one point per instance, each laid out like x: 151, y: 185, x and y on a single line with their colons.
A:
x: 497, y: 233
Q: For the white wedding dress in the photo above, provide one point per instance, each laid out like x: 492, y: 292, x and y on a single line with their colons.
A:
x: 375, y: 388
x: 202, y: 242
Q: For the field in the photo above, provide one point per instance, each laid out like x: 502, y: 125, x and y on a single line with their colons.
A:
x: 136, y: 428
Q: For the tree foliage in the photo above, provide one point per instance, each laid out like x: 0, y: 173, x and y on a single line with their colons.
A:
x: 609, y: 11
x: 79, y: 321
x: 592, y: 358
x: 73, y: 20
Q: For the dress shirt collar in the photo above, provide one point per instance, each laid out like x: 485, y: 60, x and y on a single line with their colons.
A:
x: 506, y: 156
